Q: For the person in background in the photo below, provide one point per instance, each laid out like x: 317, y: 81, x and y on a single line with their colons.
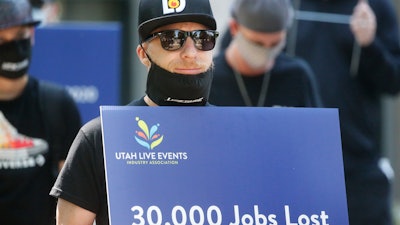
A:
x: 353, y: 48
x: 47, y: 11
x: 38, y: 121
x: 251, y: 69
x: 176, y: 43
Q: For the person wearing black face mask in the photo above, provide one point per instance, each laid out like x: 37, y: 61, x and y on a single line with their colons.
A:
x: 15, y: 56
x: 177, y: 39
x: 251, y: 70
x: 181, y: 72
x: 30, y: 152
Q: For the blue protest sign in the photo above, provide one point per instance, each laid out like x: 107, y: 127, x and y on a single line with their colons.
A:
x: 223, y: 165
x: 84, y: 57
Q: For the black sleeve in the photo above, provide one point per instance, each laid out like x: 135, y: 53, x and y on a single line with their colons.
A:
x: 70, y: 123
x: 62, y: 118
x: 82, y: 179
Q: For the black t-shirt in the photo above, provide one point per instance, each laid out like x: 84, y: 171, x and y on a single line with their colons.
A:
x: 26, y: 174
x: 82, y: 179
x: 291, y: 84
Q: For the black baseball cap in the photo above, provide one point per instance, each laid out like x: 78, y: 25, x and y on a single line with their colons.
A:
x: 15, y: 13
x: 263, y: 15
x: 157, y: 13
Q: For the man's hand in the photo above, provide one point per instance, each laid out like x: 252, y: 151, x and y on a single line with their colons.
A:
x: 363, y: 23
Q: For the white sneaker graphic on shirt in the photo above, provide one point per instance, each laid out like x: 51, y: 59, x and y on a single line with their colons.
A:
x: 15, y: 146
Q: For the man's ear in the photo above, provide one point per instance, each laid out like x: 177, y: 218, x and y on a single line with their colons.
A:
x: 143, y: 56
x: 233, y: 27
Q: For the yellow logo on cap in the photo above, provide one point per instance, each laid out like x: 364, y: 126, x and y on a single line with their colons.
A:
x: 173, y: 4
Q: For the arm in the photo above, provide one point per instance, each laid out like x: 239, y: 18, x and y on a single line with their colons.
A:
x: 80, y: 186
x: 380, y: 61
x: 363, y: 23
x: 71, y: 214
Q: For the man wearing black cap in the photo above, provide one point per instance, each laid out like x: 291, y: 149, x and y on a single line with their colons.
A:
x: 176, y: 39
x: 32, y: 113
x: 252, y: 71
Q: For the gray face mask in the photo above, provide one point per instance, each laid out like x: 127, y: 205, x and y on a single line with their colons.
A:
x: 256, y: 56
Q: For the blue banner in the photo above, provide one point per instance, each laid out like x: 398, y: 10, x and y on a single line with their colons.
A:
x: 84, y: 57
x: 223, y: 165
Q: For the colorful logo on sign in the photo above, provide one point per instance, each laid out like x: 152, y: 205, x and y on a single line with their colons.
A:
x: 173, y: 6
x: 146, y: 137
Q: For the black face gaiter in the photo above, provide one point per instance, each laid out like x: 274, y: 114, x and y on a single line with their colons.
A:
x: 15, y: 58
x: 173, y: 89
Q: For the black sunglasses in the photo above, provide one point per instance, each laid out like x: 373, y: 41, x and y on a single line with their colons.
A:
x: 172, y: 40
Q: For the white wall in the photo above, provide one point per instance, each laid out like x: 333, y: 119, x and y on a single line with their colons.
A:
x: 221, y: 10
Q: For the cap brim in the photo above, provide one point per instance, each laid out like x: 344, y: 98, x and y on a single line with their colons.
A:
x: 147, y: 27
x: 28, y: 23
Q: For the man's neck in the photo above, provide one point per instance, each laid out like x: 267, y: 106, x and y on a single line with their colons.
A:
x: 12, y: 88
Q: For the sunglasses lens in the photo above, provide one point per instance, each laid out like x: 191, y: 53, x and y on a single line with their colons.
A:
x: 172, y: 39
x: 204, y: 39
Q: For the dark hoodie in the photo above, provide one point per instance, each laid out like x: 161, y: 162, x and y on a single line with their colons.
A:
x: 328, y: 47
